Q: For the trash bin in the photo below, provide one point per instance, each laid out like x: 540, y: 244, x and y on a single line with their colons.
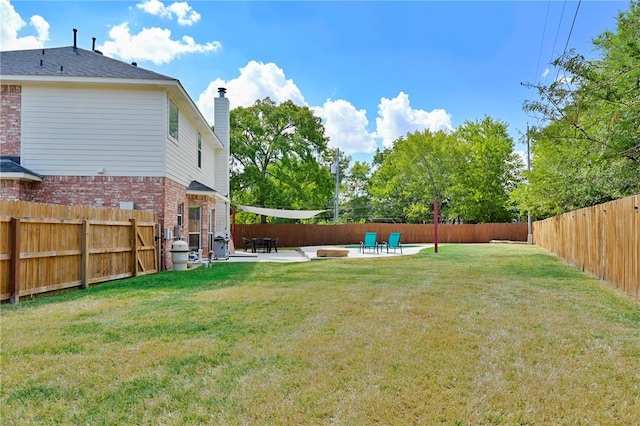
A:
x: 221, y: 247
x: 179, y: 255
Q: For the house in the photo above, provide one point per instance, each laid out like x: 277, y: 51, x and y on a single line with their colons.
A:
x: 79, y: 128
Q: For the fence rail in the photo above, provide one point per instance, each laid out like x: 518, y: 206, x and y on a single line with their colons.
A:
x: 46, y: 247
x: 602, y: 240
x: 297, y: 235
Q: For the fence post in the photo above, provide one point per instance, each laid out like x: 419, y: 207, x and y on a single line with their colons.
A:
x: 14, y: 273
x: 84, y: 267
x: 134, y: 246
x: 158, y: 243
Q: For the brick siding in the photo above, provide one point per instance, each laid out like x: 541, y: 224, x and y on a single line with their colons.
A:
x: 206, y: 204
x: 102, y: 191
x: 174, y: 194
x: 157, y: 194
x: 16, y: 190
x: 147, y: 193
x: 10, y: 119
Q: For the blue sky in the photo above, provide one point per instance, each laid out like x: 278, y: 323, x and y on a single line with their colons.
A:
x: 372, y: 70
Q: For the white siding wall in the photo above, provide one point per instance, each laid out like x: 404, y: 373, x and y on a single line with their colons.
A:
x: 182, y: 155
x: 68, y: 130
x: 209, y: 153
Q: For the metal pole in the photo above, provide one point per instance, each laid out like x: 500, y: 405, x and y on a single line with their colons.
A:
x: 336, y: 202
x: 233, y: 221
x: 529, y: 221
x: 435, y: 224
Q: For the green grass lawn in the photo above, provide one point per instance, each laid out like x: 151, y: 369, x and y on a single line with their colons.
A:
x: 476, y: 334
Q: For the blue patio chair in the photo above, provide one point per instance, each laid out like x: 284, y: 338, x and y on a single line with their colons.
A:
x: 393, y: 242
x: 370, y: 242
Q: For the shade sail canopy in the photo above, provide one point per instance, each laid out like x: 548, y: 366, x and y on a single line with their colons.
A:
x: 287, y: 214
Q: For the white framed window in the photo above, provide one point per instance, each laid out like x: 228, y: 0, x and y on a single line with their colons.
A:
x: 174, y: 119
x: 199, y: 150
x: 195, y: 228
x: 180, y: 214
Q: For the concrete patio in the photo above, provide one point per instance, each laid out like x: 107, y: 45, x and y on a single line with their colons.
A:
x: 305, y: 254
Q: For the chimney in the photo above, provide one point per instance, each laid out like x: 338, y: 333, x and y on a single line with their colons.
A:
x: 75, y: 40
x: 221, y: 129
x: 93, y: 44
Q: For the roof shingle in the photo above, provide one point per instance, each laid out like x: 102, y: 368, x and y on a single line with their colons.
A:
x: 12, y: 165
x: 70, y: 61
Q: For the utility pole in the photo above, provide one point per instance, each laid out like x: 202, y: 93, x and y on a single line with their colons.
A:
x: 529, y: 222
x: 336, y: 201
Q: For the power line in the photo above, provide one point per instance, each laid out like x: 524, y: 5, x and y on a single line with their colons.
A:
x: 575, y: 15
x: 553, y: 49
x: 544, y: 32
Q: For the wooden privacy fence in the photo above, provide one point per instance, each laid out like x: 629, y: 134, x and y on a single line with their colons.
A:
x: 46, y: 247
x: 297, y: 235
x: 602, y: 240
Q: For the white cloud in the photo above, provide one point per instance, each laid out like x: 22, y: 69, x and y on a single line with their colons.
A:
x: 397, y: 118
x: 185, y: 13
x: 545, y: 73
x: 151, y: 44
x: 346, y: 126
x: 256, y: 81
x: 11, y: 23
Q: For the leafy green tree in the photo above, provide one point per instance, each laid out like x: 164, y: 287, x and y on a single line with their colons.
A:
x: 385, y: 187
x: 279, y: 158
x: 356, y: 203
x: 470, y: 172
x: 488, y: 169
x: 411, y: 174
x: 588, y: 150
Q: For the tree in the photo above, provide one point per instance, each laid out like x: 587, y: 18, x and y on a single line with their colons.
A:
x: 470, y: 172
x: 411, y: 174
x: 356, y: 204
x: 588, y: 149
x: 279, y: 157
x: 488, y: 170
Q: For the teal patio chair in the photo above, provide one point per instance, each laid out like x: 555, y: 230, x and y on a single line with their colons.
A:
x: 370, y: 242
x: 393, y: 242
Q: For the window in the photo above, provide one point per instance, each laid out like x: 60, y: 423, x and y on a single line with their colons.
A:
x: 173, y: 120
x: 180, y: 213
x: 195, y: 228
x: 199, y: 150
